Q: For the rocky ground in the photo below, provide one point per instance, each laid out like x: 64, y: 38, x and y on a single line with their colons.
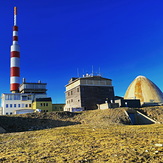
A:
x: 37, y: 121
x: 155, y: 112
x: 93, y: 136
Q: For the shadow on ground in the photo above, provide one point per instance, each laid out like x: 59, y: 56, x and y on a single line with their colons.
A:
x: 18, y: 124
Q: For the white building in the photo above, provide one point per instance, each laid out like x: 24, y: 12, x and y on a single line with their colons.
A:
x: 16, y: 101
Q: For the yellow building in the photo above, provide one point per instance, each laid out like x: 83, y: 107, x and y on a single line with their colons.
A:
x: 45, y: 104
x: 58, y: 107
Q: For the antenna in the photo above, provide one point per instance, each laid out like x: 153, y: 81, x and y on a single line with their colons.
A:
x: 78, y: 72
x: 99, y: 71
x: 15, y: 14
x: 92, y: 70
x: 83, y: 73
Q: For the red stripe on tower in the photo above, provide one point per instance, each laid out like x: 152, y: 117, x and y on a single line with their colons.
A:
x: 15, y: 58
x: 15, y: 54
x: 15, y: 28
x: 15, y: 38
x: 15, y: 71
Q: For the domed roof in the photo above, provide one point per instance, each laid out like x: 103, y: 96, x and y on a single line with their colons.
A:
x: 145, y: 90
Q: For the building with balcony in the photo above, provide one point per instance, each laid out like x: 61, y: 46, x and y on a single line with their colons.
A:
x: 36, y: 88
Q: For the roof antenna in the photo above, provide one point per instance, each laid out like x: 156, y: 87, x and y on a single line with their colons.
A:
x: 83, y: 73
x: 78, y: 72
x: 92, y: 70
x: 99, y: 71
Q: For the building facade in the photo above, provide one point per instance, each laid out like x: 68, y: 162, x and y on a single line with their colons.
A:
x: 87, y: 92
x: 36, y: 88
x: 28, y: 92
x: 15, y: 101
x: 58, y: 107
x: 44, y: 104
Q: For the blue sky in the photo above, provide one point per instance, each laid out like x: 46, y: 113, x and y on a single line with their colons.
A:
x: 124, y: 38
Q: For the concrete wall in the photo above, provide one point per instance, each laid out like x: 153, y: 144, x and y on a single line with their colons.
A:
x: 93, y: 95
x: 103, y: 106
x: 132, y: 103
x: 23, y: 111
x: 73, y: 98
x: 1, y: 111
x: 108, y: 105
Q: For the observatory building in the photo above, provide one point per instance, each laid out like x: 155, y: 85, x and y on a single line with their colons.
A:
x: 145, y: 90
x: 87, y: 92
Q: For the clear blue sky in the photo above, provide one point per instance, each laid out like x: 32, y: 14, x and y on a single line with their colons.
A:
x: 122, y: 37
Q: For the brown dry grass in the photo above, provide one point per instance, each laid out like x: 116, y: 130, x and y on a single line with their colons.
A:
x: 82, y: 143
x: 93, y: 141
x: 155, y: 112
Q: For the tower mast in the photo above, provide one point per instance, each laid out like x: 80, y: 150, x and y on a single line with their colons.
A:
x: 15, y: 58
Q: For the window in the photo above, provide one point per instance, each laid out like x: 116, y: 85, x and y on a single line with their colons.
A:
x: 46, y: 104
x: 71, y: 100
x: 8, y: 97
x: 10, y: 113
x: 10, y: 105
x: 29, y: 105
x: 40, y: 104
x: 77, y: 89
x: 24, y: 98
x: 14, y: 105
x: 29, y: 97
x: 71, y: 93
x: 6, y: 113
x: 18, y: 105
x: 16, y: 97
x: 6, y: 105
x: 26, y: 105
x: 22, y: 105
x: 68, y: 93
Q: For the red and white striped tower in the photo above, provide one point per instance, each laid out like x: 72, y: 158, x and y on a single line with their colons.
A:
x: 15, y: 59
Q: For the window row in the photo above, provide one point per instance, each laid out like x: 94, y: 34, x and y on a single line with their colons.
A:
x: 17, y: 105
x: 9, y: 113
x: 69, y: 101
x: 71, y: 92
x: 43, y: 104
x: 58, y: 108
x: 44, y: 110
x: 18, y: 97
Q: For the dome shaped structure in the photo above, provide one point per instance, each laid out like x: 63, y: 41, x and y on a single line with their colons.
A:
x: 145, y: 90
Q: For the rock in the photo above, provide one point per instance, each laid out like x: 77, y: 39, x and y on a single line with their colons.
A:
x: 158, y: 145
